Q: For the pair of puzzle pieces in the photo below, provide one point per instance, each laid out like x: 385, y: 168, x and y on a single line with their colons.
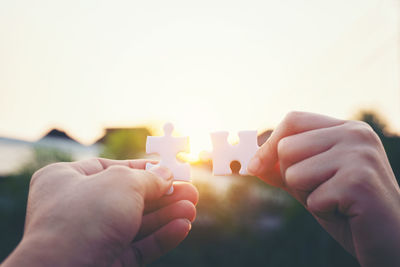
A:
x: 167, y: 147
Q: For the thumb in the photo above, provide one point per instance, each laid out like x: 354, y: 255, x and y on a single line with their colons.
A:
x: 265, y: 164
x: 155, y: 183
x: 150, y: 184
x: 270, y: 175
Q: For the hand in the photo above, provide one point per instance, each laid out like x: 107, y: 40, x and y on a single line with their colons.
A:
x: 339, y: 171
x: 102, y: 212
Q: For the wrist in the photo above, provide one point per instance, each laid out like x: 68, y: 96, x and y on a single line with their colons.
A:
x: 39, y: 251
x: 46, y: 249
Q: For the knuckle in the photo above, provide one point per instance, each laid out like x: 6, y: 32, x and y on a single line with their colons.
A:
x: 361, y: 131
x: 283, y: 147
x: 291, y: 177
x: 359, y: 179
x: 365, y: 174
x: 354, y: 182
x: 191, y: 194
x: 121, y: 175
x: 191, y: 211
x: 40, y: 174
x: 367, y: 156
x: 293, y: 116
x: 125, y: 177
x: 145, y: 179
x: 119, y: 170
x: 312, y: 204
x: 186, y: 205
x: 186, y: 209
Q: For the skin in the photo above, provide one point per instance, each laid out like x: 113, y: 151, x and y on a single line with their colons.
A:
x: 115, y: 213
x: 103, y: 213
x: 340, y: 172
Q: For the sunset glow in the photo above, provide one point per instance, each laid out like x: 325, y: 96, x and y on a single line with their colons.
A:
x: 205, y: 67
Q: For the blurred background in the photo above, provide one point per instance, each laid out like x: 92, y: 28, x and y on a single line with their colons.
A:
x: 81, y: 79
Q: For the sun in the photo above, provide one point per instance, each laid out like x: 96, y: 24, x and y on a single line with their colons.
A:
x: 198, y: 128
x: 199, y: 146
x: 196, y: 120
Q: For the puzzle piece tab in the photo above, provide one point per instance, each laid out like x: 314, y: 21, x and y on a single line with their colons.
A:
x: 223, y: 153
x: 167, y: 147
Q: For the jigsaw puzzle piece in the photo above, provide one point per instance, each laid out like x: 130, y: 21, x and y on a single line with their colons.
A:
x: 167, y: 147
x: 246, y: 149
x: 221, y: 156
x: 180, y: 172
x: 223, y: 153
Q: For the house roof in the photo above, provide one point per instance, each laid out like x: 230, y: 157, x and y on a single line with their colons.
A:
x: 56, y: 133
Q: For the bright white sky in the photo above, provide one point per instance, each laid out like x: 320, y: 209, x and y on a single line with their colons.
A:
x: 203, y: 65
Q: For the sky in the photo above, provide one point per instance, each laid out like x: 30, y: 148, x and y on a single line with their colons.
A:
x: 203, y: 65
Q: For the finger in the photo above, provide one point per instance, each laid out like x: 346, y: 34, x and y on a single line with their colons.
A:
x: 323, y: 202
x: 331, y: 207
x: 157, y: 244
x: 182, y: 191
x: 266, y: 158
x: 305, y: 176
x: 298, y: 147
x: 150, y: 184
x: 341, y: 193
x: 96, y: 165
x: 155, y: 220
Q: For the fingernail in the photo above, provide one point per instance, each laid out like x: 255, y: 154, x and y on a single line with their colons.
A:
x: 254, y: 164
x: 163, y: 172
x: 189, y: 224
x: 170, y: 191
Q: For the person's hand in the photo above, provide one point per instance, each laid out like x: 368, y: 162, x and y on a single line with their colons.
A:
x: 103, y: 213
x: 339, y: 171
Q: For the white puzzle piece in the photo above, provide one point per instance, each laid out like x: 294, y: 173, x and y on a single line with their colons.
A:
x: 167, y: 147
x: 223, y: 153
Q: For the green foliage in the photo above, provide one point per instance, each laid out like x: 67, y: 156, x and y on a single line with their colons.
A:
x: 43, y: 157
x: 390, y: 142
x: 13, y: 197
x: 125, y: 143
x: 251, y: 224
x: 376, y: 122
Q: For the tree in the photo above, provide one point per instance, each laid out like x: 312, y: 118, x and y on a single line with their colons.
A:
x: 124, y: 143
